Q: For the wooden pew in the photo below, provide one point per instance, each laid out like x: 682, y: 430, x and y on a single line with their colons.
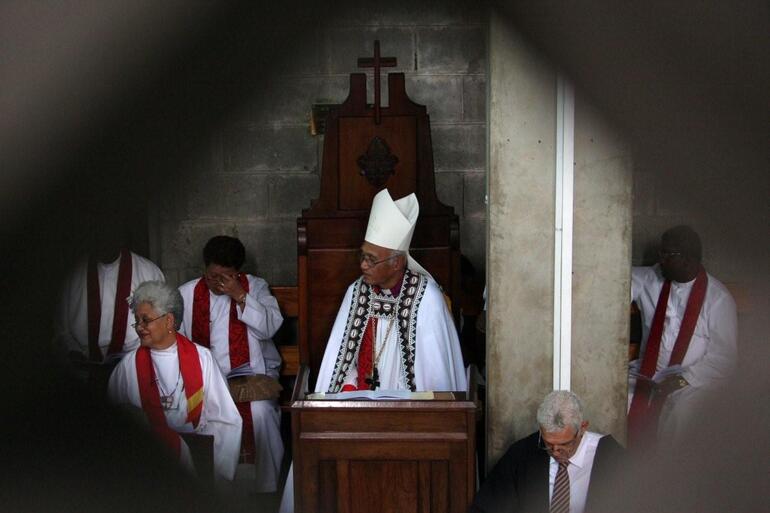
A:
x: 286, y: 341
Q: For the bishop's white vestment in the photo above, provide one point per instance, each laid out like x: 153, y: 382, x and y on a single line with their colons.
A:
x: 420, y: 353
x: 219, y: 416
x: 262, y: 318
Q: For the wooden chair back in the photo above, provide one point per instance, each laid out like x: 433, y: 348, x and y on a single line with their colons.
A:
x: 359, y: 138
x: 286, y: 340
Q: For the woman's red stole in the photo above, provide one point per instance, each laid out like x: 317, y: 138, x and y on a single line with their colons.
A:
x: 192, y: 377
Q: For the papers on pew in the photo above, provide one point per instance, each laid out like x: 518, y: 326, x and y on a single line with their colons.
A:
x: 241, y: 370
x: 374, y: 395
x: 673, y: 370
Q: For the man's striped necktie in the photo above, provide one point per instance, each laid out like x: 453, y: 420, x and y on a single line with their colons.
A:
x: 560, y: 495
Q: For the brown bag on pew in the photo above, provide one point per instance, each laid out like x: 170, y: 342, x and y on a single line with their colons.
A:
x: 254, y: 388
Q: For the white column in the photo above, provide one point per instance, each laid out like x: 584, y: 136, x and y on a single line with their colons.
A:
x: 562, y: 290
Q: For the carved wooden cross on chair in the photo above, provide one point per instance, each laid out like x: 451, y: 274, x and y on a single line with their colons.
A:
x: 376, y: 62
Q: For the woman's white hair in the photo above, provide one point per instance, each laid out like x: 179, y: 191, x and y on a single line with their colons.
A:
x: 162, y: 297
x: 559, y: 409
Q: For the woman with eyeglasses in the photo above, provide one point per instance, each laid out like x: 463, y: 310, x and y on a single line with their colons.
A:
x: 175, y: 382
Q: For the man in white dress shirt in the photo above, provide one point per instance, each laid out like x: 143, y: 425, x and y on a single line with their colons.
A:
x: 689, y: 331
x: 235, y: 315
x: 562, y: 468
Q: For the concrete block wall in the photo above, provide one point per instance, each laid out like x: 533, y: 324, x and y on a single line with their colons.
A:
x: 263, y: 166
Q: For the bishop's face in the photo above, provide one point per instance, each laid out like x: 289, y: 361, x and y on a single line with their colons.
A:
x: 379, y: 266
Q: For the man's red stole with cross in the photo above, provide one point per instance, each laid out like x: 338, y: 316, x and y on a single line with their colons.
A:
x: 238, y: 339
x: 120, y: 317
x: 192, y: 376
x: 646, y: 405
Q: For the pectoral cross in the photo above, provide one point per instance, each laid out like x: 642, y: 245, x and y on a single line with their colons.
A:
x: 376, y: 62
x: 374, y: 380
x: 167, y: 401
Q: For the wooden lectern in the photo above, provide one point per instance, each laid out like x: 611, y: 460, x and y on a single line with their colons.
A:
x: 374, y: 456
x: 383, y: 456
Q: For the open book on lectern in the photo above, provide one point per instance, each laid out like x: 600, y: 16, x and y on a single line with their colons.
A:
x: 374, y: 395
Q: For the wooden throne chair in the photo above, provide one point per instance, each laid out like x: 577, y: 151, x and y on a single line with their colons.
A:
x: 376, y: 456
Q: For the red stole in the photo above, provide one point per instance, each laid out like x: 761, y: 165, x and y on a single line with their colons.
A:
x: 192, y: 377
x: 365, y: 356
x: 646, y: 406
x: 238, y: 349
x: 120, y: 316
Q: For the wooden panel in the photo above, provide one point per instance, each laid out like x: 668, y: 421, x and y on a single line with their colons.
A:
x: 332, y: 272
x: 376, y: 448
x: 288, y: 300
x: 344, y: 487
x: 331, y: 233
x: 290, y: 360
x: 389, y: 486
x: 424, y: 480
x: 439, y: 486
x: 410, y: 466
x: 349, y: 420
x: 458, y: 491
x: 431, y: 232
x: 356, y: 133
x: 327, y: 486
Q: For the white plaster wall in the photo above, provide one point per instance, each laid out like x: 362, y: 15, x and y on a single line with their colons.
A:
x: 522, y: 114
x: 601, y: 257
x: 522, y: 127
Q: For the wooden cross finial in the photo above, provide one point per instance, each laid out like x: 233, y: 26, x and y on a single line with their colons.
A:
x: 376, y: 62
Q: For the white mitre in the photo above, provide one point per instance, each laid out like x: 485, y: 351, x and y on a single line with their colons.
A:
x: 391, y: 225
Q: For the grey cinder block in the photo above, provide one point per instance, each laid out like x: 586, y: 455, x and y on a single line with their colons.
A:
x: 474, y: 187
x: 269, y: 149
x: 451, y: 50
x: 228, y: 196
x: 475, y: 98
x: 290, y: 194
x: 459, y: 147
x: 442, y: 95
x: 449, y: 189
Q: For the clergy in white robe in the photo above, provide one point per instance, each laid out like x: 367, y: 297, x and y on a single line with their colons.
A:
x: 180, y: 388
x: 211, y: 312
x: 72, y: 319
x: 393, y: 330
x: 708, y: 358
x: 416, y: 345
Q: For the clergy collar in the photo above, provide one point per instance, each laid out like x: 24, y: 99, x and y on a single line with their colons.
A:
x: 392, y: 291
